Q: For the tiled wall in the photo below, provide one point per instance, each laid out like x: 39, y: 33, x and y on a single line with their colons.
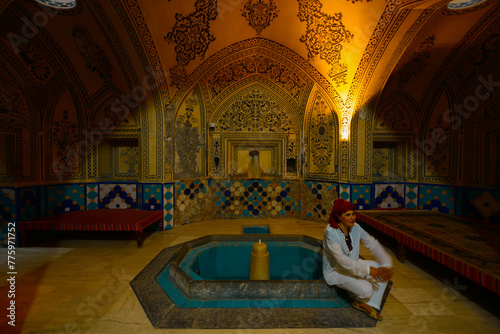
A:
x: 319, y: 197
x: 65, y: 198
x: 483, y: 205
x: 168, y: 208
x: 389, y: 196
x: 7, y: 212
x: 255, y: 198
x: 118, y: 196
x: 361, y: 196
x: 441, y: 198
x: 191, y: 201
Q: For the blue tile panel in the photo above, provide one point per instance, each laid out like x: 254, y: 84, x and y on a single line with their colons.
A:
x: 441, y: 198
x: 182, y: 301
x: 482, y: 204
x: 411, y: 196
x: 361, y: 196
x: 65, y: 198
x: 191, y: 201
x: 92, y: 196
x: 118, y: 196
x: 7, y: 212
x: 28, y: 203
x: 389, y: 196
x: 168, y: 207
x: 152, y: 196
x: 255, y: 199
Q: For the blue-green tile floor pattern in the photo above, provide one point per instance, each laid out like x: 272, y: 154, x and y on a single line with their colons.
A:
x: 181, y: 301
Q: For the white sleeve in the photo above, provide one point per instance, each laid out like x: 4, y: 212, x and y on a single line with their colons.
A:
x: 376, y: 249
x: 357, y: 267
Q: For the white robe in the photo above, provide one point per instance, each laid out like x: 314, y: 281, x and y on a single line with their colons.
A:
x: 346, y: 270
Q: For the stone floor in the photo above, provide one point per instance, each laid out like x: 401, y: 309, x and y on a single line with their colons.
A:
x: 72, y: 284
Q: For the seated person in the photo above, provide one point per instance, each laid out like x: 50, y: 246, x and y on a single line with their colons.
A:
x: 342, y: 267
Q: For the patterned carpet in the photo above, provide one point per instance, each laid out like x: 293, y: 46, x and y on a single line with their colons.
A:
x: 471, y: 248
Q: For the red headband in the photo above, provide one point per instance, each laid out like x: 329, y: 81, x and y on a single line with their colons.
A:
x: 340, y: 206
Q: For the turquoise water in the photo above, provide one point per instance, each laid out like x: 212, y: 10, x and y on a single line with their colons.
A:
x: 231, y: 261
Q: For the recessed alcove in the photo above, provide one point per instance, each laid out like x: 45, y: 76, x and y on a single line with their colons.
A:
x: 389, y: 161
x: 120, y: 159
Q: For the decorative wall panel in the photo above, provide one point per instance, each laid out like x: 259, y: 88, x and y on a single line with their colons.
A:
x: 482, y: 204
x: 259, y: 13
x: 441, y: 198
x: 345, y: 191
x: 118, y: 196
x: 168, y: 208
x: 411, y: 196
x: 255, y: 198
x: 92, y: 196
x: 192, y: 198
x: 65, y: 198
x: 319, y: 197
x: 389, y: 196
x: 7, y: 212
x: 361, y: 196
x: 152, y: 196
x: 28, y: 203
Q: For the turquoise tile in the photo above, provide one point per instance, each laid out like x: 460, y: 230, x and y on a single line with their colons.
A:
x: 285, y: 303
x: 316, y: 303
x: 240, y: 303
x: 300, y: 303
x: 195, y: 304
x: 210, y: 303
x: 226, y: 303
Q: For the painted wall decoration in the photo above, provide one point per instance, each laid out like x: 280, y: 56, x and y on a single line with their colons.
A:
x: 323, y: 136
x: 66, y: 153
x: 192, y: 36
x: 94, y: 56
x: 37, y: 65
x: 259, y: 14
x: 393, y: 118
x: 323, y: 37
x: 189, y: 139
x: 12, y: 105
x: 415, y: 63
x: 7, y: 157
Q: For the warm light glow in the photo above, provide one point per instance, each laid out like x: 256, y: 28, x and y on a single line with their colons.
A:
x: 344, y: 134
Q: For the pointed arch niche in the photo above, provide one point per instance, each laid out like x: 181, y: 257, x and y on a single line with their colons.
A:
x: 255, y: 126
x: 394, y: 126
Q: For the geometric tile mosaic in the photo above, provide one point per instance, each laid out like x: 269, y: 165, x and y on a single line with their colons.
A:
x: 65, y: 198
x: 28, y: 202
x: 152, y: 196
x: 255, y: 199
x: 7, y: 212
x: 437, y: 197
x: 118, y: 196
x: 361, y: 196
x: 191, y: 201
x: 168, y: 208
x: 92, y: 196
x: 389, y: 196
x: 319, y: 197
x: 482, y: 204
x: 411, y: 196
x: 345, y: 191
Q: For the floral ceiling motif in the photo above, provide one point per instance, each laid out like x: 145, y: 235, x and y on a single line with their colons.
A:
x: 324, y: 36
x: 191, y: 34
x: 259, y: 14
x: 417, y: 61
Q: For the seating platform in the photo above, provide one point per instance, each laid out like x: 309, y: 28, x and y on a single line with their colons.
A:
x: 471, y: 248
x: 95, y: 220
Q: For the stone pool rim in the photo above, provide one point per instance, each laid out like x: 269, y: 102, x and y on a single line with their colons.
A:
x: 163, y: 313
x: 248, y: 289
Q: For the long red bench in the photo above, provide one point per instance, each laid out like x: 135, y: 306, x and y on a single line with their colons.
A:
x: 471, y: 248
x: 95, y: 220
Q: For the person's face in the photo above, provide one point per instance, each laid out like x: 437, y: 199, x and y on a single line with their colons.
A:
x: 348, y: 218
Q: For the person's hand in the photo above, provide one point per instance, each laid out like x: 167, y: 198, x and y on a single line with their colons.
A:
x: 382, y: 274
x: 385, y: 273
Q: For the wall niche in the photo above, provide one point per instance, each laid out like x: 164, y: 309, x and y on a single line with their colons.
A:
x: 389, y: 161
x: 120, y: 159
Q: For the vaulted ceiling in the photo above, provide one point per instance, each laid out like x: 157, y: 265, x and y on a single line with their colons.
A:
x: 357, y: 51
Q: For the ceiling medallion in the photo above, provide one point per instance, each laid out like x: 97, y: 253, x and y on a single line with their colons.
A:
x: 259, y: 14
